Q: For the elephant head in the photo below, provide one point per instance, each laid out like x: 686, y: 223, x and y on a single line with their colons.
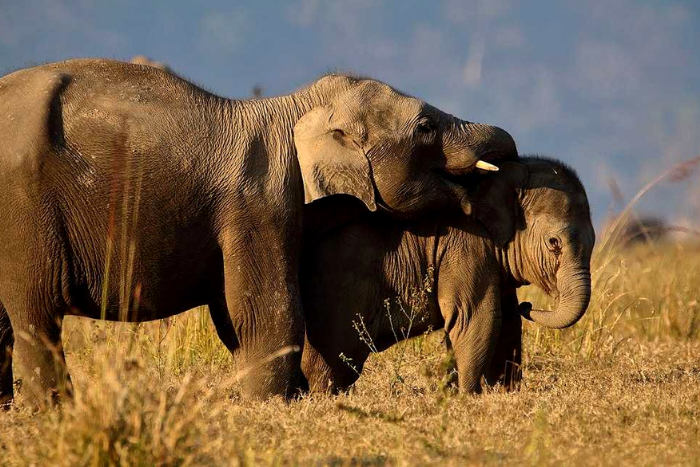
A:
x: 391, y: 150
x: 537, y: 211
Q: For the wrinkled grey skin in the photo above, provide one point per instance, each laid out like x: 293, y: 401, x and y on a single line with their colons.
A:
x: 129, y: 194
x: 533, y: 226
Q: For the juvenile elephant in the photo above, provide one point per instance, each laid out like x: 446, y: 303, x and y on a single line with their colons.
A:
x: 130, y: 194
x: 533, y: 226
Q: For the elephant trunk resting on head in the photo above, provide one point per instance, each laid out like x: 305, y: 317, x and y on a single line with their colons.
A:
x: 532, y: 226
x: 130, y: 194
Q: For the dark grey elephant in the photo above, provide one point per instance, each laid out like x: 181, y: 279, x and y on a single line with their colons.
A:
x: 130, y: 194
x: 532, y: 226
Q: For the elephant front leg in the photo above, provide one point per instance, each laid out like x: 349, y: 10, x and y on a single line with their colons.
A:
x: 6, y: 343
x: 263, y: 302
x: 506, y: 364
x: 473, y: 337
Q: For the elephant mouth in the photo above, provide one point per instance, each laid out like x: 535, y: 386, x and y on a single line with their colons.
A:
x: 465, y: 179
x: 524, y: 308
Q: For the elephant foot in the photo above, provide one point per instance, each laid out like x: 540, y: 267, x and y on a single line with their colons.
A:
x: 276, y: 374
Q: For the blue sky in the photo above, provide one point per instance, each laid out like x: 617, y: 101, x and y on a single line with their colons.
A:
x: 610, y: 86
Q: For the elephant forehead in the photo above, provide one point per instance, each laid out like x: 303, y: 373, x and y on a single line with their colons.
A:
x: 382, y: 112
x: 381, y: 95
x: 556, y: 203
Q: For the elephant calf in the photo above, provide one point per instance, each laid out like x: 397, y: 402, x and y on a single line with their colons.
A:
x: 533, y: 227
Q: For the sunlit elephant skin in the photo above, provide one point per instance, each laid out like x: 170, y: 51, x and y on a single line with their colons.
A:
x: 532, y: 225
x: 130, y: 194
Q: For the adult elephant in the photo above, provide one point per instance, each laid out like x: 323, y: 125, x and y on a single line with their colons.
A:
x: 130, y: 194
x: 532, y: 225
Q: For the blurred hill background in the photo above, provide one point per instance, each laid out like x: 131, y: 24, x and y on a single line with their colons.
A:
x: 610, y: 86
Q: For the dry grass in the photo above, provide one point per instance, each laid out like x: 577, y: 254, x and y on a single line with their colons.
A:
x: 622, y: 386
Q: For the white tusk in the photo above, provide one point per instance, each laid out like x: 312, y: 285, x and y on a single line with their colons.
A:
x: 486, y: 166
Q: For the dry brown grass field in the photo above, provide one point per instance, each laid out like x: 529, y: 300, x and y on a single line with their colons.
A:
x: 621, y: 387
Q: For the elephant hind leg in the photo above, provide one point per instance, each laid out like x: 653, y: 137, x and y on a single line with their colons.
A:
x: 7, y: 340
x: 38, y: 356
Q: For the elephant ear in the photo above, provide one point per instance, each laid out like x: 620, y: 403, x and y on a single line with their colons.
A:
x: 331, y: 159
x: 496, y: 202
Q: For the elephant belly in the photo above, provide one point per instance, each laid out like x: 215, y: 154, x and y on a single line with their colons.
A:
x: 147, y: 294
x: 157, y: 259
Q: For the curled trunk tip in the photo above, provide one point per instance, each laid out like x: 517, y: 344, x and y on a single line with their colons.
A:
x: 574, y: 297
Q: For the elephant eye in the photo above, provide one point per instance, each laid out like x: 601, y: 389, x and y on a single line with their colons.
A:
x: 425, y: 127
x: 554, y: 244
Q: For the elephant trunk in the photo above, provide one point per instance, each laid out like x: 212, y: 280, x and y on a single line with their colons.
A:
x: 574, y: 295
x: 493, y: 143
x: 472, y: 142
